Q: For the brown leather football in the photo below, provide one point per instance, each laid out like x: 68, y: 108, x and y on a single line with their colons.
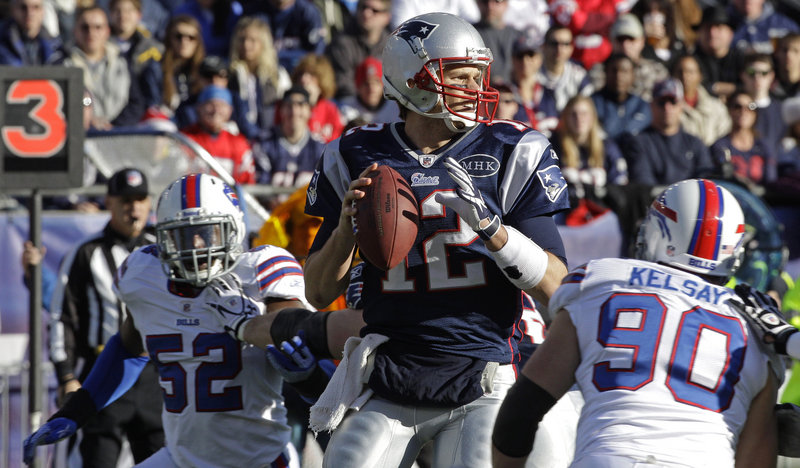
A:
x: 387, y: 219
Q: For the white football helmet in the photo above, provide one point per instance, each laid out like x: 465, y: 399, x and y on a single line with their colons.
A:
x: 414, y: 57
x: 200, y: 229
x: 694, y: 225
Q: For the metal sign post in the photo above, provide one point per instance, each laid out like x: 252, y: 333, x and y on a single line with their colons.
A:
x: 41, y: 146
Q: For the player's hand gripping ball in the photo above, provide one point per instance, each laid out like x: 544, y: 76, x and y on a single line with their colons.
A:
x: 387, y: 219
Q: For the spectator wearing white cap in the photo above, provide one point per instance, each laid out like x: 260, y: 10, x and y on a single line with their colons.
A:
x: 627, y: 38
x: 664, y: 153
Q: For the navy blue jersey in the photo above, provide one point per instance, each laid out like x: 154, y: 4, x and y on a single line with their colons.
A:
x: 449, y: 297
x: 284, y: 164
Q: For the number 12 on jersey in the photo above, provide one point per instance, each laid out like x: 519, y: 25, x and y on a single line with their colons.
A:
x: 705, y: 360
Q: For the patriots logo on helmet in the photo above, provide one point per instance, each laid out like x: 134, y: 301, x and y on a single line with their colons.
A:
x: 415, y: 32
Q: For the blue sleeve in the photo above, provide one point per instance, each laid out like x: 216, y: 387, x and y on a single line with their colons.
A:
x: 543, y: 231
x: 114, y: 373
x: 48, y: 285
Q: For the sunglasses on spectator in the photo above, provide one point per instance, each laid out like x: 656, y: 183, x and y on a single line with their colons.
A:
x: 88, y: 27
x: 181, y: 36
x: 371, y: 9
x: 754, y: 72
x: 554, y: 43
x: 751, y: 106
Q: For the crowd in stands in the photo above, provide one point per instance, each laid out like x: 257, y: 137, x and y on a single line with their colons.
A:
x: 631, y: 92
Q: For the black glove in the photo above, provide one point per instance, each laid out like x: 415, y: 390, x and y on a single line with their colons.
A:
x: 763, y: 313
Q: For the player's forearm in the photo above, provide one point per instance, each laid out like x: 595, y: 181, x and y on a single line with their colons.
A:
x: 556, y: 270
x: 526, y: 262
x: 326, y: 271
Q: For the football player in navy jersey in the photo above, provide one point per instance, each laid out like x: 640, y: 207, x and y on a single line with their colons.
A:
x: 451, y: 311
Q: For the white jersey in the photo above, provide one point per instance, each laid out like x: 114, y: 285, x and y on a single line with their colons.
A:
x: 668, y: 369
x: 222, y: 399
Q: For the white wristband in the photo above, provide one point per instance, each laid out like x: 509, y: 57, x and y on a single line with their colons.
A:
x: 523, y: 262
x: 793, y: 346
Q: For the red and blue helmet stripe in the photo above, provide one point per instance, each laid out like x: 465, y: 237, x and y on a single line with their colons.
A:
x: 190, y: 191
x: 707, y: 233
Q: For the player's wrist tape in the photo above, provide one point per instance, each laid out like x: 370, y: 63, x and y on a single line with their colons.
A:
x: 522, y: 261
x: 524, y: 406
x: 288, y: 322
x: 79, y: 407
x: 236, y: 328
x: 490, y: 230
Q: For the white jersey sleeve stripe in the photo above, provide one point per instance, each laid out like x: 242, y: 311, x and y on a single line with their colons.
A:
x: 276, y: 268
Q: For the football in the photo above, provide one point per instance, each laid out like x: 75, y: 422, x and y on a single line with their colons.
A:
x: 387, y: 219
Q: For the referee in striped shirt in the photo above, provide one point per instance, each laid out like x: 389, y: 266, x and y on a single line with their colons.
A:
x: 85, y: 313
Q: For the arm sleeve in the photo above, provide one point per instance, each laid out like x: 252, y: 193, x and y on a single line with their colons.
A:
x: 113, y: 374
x: 543, y: 231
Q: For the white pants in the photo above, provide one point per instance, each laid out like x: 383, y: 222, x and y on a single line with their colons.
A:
x: 390, y: 435
x: 162, y: 459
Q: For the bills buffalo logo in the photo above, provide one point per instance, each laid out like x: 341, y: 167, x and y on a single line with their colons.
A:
x: 312, y: 188
x: 552, y: 181
x: 231, y: 196
x: 415, y: 32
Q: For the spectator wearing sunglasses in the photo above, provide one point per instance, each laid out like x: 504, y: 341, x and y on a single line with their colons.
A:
x: 352, y: 46
x: 757, y: 76
x: 752, y: 159
x: 559, y: 73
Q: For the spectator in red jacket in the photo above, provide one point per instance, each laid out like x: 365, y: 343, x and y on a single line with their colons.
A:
x: 231, y: 150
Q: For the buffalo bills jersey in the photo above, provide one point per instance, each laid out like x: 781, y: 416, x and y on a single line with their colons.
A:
x: 667, y: 369
x: 448, y: 296
x: 222, y: 399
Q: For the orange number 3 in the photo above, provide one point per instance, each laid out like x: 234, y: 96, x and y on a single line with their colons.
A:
x: 47, y: 113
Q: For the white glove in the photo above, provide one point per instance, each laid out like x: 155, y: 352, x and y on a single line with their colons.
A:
x: 233, y: 306
x: 467, y: 201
